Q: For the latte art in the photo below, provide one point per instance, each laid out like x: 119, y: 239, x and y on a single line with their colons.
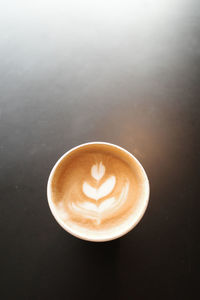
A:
x: 101, y: 190
x: 96, y: 189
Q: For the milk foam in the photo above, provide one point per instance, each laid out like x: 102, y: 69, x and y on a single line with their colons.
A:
x: 96, y: 190
x: 97, y: 211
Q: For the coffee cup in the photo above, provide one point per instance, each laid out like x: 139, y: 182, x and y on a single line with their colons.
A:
x: 98, y: 191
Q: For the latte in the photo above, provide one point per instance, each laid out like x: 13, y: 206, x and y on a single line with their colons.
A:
x: 98, y: 191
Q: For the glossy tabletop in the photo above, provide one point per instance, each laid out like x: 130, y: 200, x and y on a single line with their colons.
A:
x: 124, y: 72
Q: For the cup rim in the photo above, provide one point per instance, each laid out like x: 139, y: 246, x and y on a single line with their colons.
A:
x: 84, y: 236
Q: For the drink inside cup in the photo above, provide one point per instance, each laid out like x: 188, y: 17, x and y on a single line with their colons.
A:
x: 98, y: 191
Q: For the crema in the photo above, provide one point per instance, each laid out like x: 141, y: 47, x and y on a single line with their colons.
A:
x: 96, y: 188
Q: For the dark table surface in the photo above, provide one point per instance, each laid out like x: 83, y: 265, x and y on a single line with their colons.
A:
x: 125, y: 72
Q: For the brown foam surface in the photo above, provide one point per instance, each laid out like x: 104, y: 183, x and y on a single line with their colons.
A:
x: 97, y: 187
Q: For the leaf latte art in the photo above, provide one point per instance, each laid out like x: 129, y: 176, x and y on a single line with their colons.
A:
x: 97, y: 211
x: 95, y: 189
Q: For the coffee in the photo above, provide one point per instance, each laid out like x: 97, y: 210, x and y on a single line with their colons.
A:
x: 97, y: 188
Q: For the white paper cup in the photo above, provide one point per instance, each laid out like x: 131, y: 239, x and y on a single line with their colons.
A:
x: 134, y: 219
